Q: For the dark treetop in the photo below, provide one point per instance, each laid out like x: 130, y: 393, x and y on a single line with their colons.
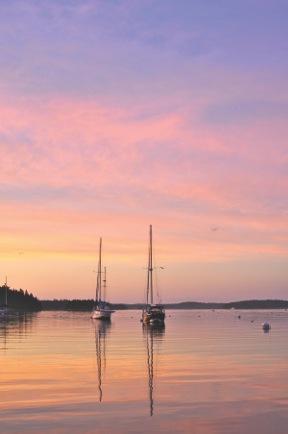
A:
x: 19, y: 299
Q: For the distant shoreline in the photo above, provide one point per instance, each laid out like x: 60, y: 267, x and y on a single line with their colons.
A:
x: 86, y: 305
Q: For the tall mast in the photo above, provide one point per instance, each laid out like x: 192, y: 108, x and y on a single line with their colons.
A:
x: 104, y: 285
x: 6, y: 292
x: 149, y: 290
x: 98, y: 285
x: 151, y: 267
x: 148, y: 277
x: 100, y: 270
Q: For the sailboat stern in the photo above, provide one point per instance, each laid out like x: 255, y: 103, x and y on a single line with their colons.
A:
x: 102, y: 314
x: 154, y: 314
x: 102, y: 311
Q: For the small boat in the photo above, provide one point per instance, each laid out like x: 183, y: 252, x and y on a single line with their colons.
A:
x: 266, y: 326
x: 152, y: 313
x: 101, y: 308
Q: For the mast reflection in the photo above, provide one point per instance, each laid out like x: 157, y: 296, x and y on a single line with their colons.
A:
x: 15, y: 324
x: 154, y: 334
x: 102, y: 329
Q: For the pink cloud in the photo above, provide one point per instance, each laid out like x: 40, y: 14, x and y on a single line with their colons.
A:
x: 72, y: 170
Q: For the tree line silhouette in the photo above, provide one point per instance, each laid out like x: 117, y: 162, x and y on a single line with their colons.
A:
x: 87, y: 305
x: 19, y: 299
x: 25, y: 301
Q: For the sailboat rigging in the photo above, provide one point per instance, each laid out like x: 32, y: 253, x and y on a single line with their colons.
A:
x: 152, y: 313
x: 101, y: 308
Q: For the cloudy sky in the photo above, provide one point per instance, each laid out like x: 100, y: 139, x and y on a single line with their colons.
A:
x: 115, y: 114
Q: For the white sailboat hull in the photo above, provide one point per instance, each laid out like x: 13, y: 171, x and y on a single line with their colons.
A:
x: 104, y: 314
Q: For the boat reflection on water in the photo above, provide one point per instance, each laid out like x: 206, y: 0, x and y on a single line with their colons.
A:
x: 154, y: 334
x: 102, y: 329
x: 15, y: 323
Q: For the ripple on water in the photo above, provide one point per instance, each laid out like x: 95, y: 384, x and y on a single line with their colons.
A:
x: 205, y: 372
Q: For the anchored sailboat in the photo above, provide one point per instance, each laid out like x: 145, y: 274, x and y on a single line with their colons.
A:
x: 101, y: 309
x: 152, y: 313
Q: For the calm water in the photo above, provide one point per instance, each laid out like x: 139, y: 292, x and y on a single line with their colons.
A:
x: 206, y: 372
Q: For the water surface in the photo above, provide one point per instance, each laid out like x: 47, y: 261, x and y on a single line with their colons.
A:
x: 205, y: 372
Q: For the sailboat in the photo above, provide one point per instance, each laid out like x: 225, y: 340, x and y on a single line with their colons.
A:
x: 4, y: 305
x: 101, y: 308
x: 152, y: 313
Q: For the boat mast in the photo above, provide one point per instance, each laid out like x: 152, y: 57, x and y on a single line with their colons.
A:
x: 100, y: 270
x: 6, y: 292
x: 151, y: 267
x: 148, y: 278
x: 98, y: 285
x: 150, y: 271
x: 104, y: 285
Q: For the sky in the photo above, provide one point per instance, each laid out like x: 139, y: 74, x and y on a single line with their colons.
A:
x: 117, y: 114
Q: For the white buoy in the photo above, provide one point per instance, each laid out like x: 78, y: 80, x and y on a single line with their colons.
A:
x: 266, y: 326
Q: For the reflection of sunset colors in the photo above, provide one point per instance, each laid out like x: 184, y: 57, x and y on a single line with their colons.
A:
x: 122, y: 115
x: 209, y: 371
